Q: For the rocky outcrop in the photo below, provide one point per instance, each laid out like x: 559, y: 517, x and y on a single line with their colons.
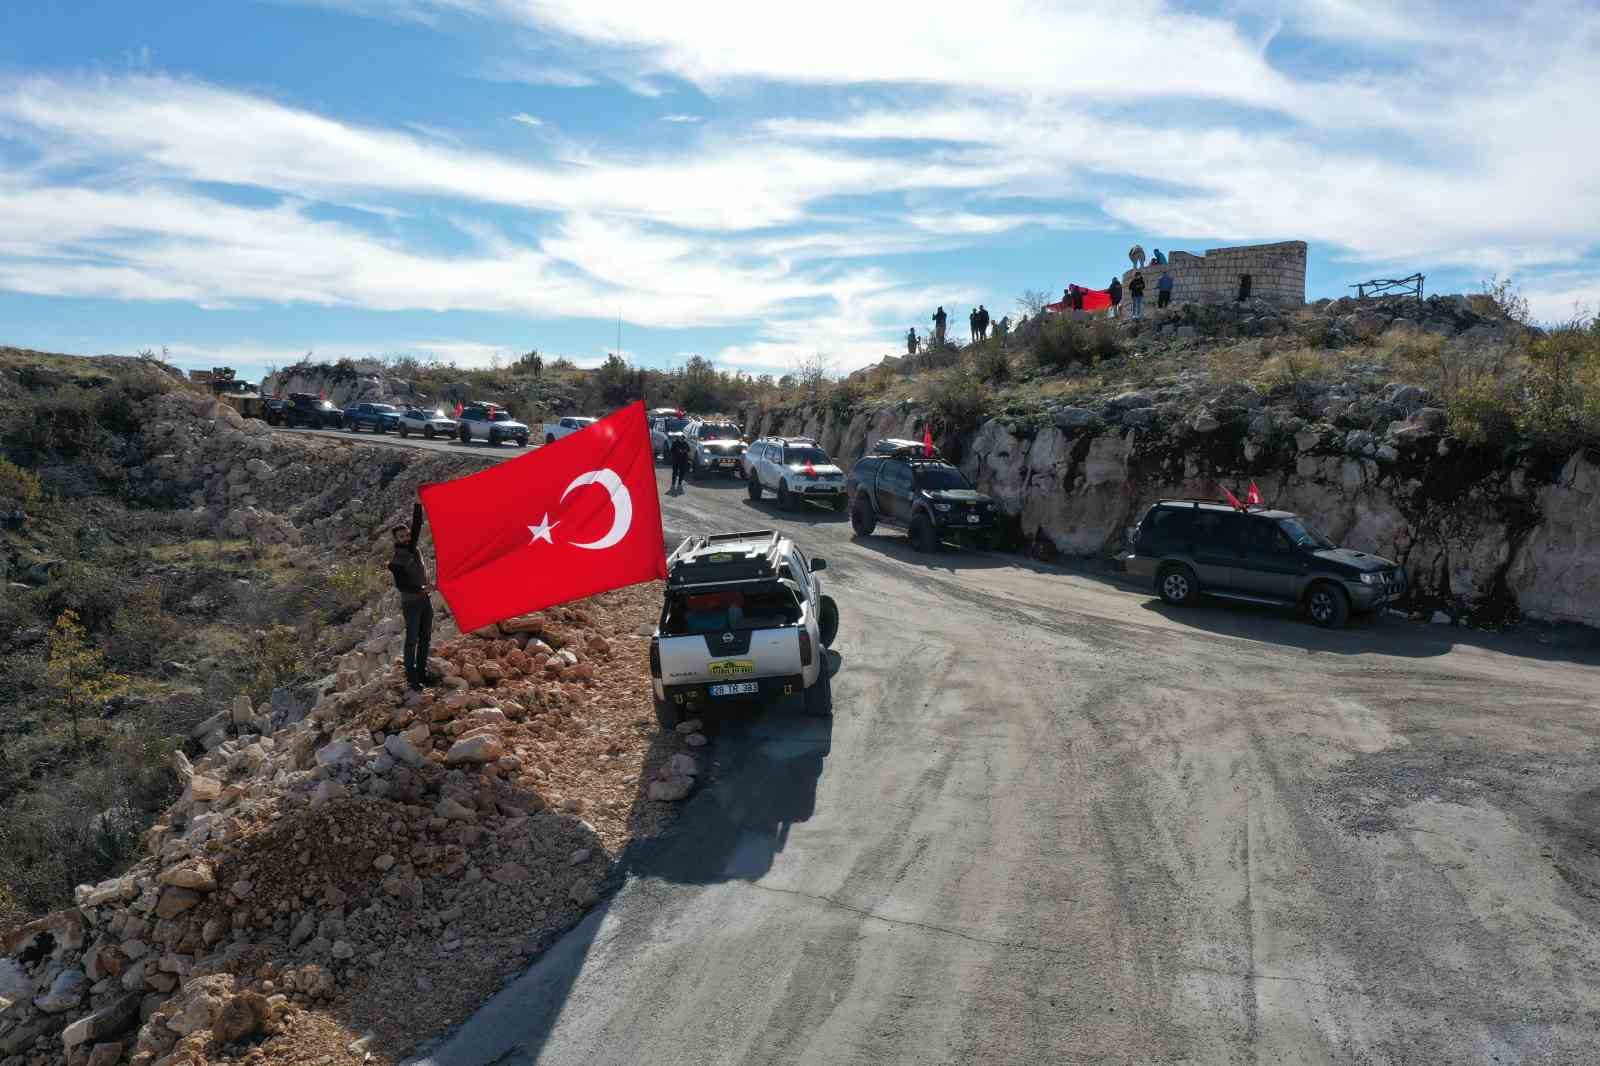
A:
x: 1369, y: 459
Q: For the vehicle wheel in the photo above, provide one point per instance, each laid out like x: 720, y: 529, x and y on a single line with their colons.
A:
x: 668, y: 715
x: 549, y: 438
x: 1178, y: 586
x: 828, y: 621
x: 427, y: 432
x: 924, y: 538
x: 753, y: 487
x: 862, y: 520
x: 785, y: 499
x: 405, y: 431
x: 1328, y: 605
x: 494, y: 438
x: 353, y: 426
x: 818, y: 699
x: 522, y: 442
x: 465, y: 435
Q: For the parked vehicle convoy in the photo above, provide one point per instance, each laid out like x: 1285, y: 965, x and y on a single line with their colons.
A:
x: 898, y: 484
x: 663, y: 429
x: 745, y: 621
x: 378, y: 417
x: 1195, y: 548
x: 714, y: 447
x: 554, y: 431
x: 303, y: 409
x: 490, y: 422
x: 797, y: 470
x: 430, y: 424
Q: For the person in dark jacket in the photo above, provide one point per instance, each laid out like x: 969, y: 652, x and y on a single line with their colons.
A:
x: 983, y: 323
x: 1114, y: 290
x: 1136, y: 291
x: 680, y: 460
x: 938, y: 327
x: 412, y: 582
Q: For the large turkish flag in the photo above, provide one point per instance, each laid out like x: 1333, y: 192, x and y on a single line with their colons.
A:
x: 573, y: 518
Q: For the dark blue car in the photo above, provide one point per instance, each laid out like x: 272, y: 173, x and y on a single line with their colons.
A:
x: 379, y: 417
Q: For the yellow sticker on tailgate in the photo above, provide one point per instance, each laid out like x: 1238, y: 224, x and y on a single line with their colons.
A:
x: 732, y: 667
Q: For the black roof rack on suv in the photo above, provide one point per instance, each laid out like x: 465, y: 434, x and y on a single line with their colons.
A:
x: 725, y: 559
x: 1196, y: 501
x: 906, y: 449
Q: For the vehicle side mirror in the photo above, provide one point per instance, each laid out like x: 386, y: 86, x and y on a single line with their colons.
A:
x: 818, y: 564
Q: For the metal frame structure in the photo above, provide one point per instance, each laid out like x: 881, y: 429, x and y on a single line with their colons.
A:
x: 1406, y: 286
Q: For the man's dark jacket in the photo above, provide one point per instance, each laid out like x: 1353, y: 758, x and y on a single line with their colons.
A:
x: 406, y: 565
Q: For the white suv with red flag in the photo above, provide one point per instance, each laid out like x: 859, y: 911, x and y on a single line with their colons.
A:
x: 745, y: 621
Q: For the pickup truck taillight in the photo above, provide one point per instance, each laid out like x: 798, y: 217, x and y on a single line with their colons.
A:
x: 655, y: 657
x: 805, y: 648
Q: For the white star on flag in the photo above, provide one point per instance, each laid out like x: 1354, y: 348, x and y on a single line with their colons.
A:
x: 542, y: 530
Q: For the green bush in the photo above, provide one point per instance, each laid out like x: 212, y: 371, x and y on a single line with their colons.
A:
x: 281, y: 658
x: 1065, y: 341
x: 992, y: 363
x: 958, y: 400
x: 1483, y: 409
x: 18, y: 487
x: 142, y: 634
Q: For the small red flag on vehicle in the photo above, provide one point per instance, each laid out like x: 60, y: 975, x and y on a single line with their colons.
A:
x: 574, y: 518
x: 322, y: 394
x: 927, y: 440
x: 1255, y: 495
x: 1233, y: 501
x: 458, y: 408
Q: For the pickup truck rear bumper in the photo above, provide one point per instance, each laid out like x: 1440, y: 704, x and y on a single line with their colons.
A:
x: 699, y: 697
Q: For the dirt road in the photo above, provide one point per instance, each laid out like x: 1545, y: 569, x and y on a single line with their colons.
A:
x: 1055, y: 821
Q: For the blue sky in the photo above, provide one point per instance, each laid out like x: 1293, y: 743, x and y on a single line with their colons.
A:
x: 466, y: 179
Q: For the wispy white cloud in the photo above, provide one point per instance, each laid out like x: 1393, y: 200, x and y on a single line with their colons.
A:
x: 527, y: 119
x: 681, y: 118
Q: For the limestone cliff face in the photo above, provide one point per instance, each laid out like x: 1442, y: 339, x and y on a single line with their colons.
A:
x: 1475, y: 536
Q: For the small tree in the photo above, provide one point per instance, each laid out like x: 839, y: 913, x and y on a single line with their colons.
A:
x: 77, y: 671
x: 1032, y: 301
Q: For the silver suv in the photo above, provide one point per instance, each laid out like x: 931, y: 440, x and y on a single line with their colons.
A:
x: 797, y: 470
x: 714, y: 447
x: 1191, y: 548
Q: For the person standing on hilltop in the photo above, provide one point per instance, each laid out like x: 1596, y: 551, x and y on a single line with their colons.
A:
x: 972, y: 326
x: 938, y: 327
x: 1136, y: 257
x: 983, y: 323
x: 411, y: 581
x: 1002, y: 327
x: 1163, y: 290
x: 1136, y: 291
x: 1114, y: 290
x: 911, y: 341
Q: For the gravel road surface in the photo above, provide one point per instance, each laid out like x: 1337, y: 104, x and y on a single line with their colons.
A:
x: 1054, y: 821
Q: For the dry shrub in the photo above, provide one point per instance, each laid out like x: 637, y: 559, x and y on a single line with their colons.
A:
x: 992, y: 363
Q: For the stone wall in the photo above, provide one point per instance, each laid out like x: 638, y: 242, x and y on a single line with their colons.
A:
x: 1277, y: 274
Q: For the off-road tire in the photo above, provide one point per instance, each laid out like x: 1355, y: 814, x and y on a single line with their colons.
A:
x: 1327, y: 605
x: 1178, y: 586
x: 817, y: 701
x: 405, y: 431
x: 354, y: 426
x: 549, y: 438
x: 668, y: 715
x: 827, y: 621
x: 465, y: 434
x: 753, y: 487
x: 862, y: 519
x: 924, y: 537
x: 494, y: 438
x: 427, y: 432
x: 785, y: 497
x: 522, y: 442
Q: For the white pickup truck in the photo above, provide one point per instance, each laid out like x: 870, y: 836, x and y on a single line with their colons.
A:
x: 745, y: 621
x: 554, y: 431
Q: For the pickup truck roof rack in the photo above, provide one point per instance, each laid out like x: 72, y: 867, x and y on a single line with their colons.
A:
x: 906, y: 449
x: 725, y: 559
x: 1196, y: 502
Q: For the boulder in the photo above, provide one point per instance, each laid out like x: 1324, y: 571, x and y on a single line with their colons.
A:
x: 65, y: 992
x: 195, y: 874
x: 455, y: 811
x: 479, y: 749
x: 175, y: 901
x: 107, y: 1021
x: 671, y: 790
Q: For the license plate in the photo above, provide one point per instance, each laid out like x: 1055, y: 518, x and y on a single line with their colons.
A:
x: 724, y: 462
x: 737, y: 688
x: 972, y: 519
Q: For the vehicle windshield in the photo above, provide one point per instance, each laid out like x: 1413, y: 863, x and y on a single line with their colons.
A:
x: 802, y: 456
x: 1303, y: 535
x: 675, y: 425
x: 384, y: 407
x: 935, y: 478
x: 719, y: 431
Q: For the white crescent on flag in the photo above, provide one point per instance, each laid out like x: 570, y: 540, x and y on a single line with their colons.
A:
x: 621, y: 502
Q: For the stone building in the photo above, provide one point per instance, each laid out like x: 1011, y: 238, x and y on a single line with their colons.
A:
x: 1276, y: 273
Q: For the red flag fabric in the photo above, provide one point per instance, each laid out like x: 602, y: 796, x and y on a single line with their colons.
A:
x: 458, y: 408
x: 1254, y: 495
x: 1093, y: 300
x: 927, y: 440
x: 1233, y: 501
x: 574, y: 518
x: 322, y: 394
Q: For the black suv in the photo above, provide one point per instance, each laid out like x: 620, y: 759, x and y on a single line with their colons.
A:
x: 1191, y: 548
x: 899, y: 484
x: 303, y: 409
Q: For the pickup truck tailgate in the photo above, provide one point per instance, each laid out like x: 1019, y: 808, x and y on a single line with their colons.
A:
x: 728, y: 655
